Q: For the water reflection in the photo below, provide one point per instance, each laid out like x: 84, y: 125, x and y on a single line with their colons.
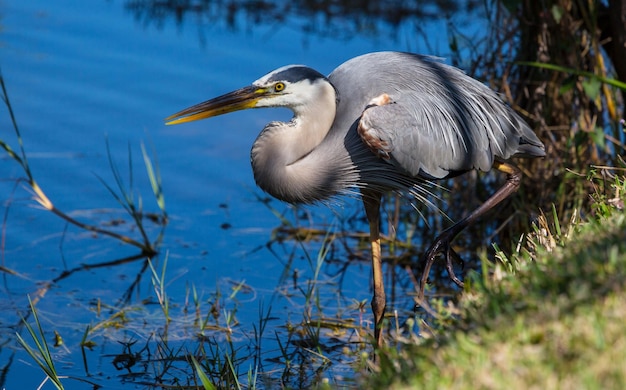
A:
x: 337, y: 19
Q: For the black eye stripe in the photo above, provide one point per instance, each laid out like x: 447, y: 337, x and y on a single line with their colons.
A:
x: 297, y: 73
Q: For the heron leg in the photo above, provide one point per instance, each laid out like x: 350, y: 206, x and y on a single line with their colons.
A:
x: 442, y: 243
x: 371, y: 201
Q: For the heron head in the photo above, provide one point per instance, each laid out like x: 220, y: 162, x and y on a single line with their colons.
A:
x: 290, y: 86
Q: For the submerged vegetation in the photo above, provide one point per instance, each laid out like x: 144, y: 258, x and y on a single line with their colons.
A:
x: 543, y: 307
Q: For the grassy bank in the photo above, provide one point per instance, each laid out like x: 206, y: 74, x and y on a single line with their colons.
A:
x: 550, y: 316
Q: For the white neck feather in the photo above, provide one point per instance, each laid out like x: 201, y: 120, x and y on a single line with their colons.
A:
x: 281, y: 156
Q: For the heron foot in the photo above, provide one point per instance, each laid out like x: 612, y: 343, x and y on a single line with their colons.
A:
x: 441, y: 245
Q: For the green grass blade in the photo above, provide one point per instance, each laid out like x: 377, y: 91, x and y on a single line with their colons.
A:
x: 563, y: 69
x: 23, y: 161
x: 41, y: 353
x: 233, y: 371
x: 154, y: 174
x: 206, y: 383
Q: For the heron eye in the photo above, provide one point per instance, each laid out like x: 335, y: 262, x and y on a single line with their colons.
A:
x: 279, y: 87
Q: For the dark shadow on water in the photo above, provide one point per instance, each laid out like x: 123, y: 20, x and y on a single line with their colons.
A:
x: 337, y: 19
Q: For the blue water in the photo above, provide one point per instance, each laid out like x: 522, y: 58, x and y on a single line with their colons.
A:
x: 81, y: 74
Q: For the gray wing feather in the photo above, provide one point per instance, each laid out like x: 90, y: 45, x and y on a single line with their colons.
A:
x: 441, y: 120
x: 393, y: 126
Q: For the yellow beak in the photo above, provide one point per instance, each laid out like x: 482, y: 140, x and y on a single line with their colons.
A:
x: 240, y: 99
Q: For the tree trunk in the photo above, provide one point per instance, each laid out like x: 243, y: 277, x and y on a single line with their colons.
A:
x: 615, y: 36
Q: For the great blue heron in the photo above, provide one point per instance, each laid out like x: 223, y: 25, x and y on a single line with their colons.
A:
x: 379, y: 122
